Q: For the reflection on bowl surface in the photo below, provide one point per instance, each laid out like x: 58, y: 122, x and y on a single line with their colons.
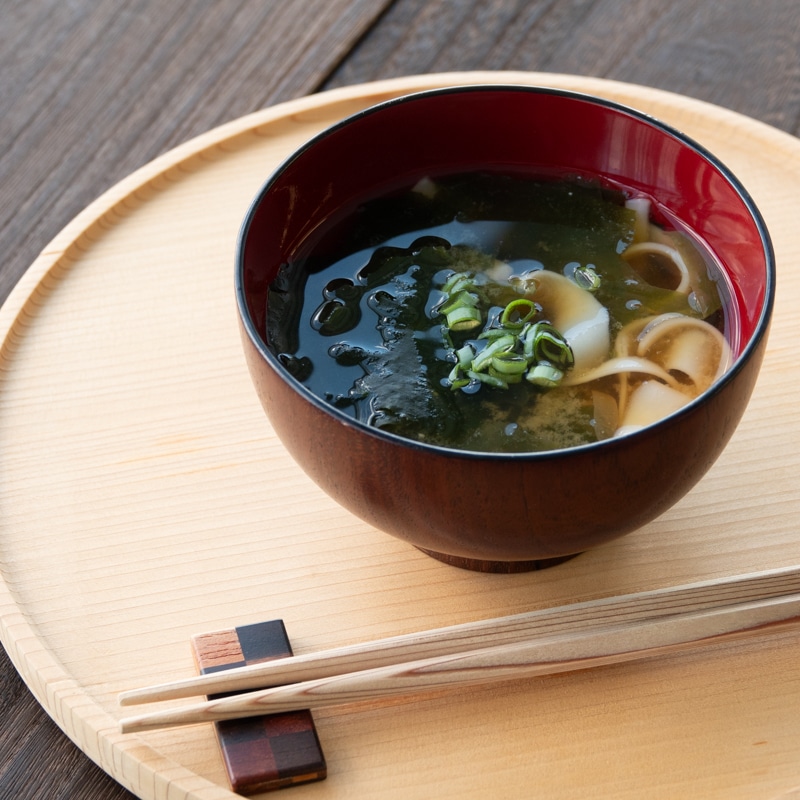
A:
x: 412, y: 196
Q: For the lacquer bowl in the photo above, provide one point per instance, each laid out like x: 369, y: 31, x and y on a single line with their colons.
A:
x: 555, y: 504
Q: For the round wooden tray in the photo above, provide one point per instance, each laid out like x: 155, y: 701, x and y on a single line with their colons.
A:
x: 145, y: 499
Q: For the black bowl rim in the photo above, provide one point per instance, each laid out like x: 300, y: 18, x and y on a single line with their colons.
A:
x: 760, y: 331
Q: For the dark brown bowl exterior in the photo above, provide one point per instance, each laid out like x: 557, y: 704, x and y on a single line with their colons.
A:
x: 517, y: 511
x: 513, y: 509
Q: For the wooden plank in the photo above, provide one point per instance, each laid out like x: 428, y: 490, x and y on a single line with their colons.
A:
x: 733, y: 54
x: 91, y: 91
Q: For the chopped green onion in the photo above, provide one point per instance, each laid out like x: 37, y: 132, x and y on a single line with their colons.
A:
x: 516, y: 346
x: 544, y: 343
x: 528, y: 337
x: 492, y: 333
x: 545, y: 375
x: 491, y: 380
x: 458, y: 282
x: 463, y: 318
x: 504, y: 377
x: 462, y: 312
x: 499, y: 345
x: 517, y: 313
x: 456, y: 379
x: 509, y: 364
x: 463, y: 298
x: 465, y: 355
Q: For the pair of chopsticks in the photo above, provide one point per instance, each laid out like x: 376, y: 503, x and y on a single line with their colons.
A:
x: 548, y: 641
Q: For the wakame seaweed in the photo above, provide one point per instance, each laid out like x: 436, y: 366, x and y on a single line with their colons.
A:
x: 369, y: 335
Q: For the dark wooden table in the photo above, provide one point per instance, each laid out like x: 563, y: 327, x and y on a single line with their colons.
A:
x: 92, y: 89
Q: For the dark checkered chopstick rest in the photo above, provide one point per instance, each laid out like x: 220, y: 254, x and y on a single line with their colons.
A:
x: 269, y: 752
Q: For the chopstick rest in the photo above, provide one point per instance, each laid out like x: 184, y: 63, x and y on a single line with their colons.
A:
x: 268, y: 752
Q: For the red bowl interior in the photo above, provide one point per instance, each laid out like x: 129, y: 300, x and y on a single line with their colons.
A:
x: 506, y: 127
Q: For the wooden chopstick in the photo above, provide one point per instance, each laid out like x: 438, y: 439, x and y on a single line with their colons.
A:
x: 484, y: 633
x: 575, y: 619
x: 609, y: 643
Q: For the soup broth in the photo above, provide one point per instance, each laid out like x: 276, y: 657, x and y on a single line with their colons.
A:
x: 500, y: 313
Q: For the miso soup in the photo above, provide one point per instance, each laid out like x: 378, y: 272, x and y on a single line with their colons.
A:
x: 501, y: 313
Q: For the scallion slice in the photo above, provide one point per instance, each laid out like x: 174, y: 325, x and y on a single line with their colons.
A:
x: 491, y: 380
x: 545, y: 375
x: 465, y: 355
x: 509, y: 364
x: 499, y: 345
x: 511, y: 346
x: 463, y: 318
x: 517, y: 313
x: 458, y: 282
x: 544, y: 343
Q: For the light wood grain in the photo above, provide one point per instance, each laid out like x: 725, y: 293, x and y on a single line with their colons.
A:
x: 146, y: 499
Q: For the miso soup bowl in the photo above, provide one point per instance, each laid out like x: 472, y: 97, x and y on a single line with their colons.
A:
x: 486, y: 511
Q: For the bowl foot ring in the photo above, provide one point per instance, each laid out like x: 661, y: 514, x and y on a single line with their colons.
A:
x: 502, y: 567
